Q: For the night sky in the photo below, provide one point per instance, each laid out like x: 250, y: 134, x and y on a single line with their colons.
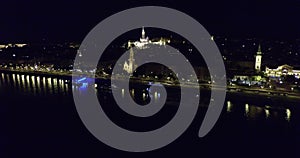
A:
x: 54, y: 20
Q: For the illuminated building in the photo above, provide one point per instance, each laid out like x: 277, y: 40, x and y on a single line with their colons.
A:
x: 130, y: 66
x: 144, y: 39
x: 282, y: 70
x: 20, y: 45
x: 250, y: 77
x: 143, y: 43
x: 12, y: 45
x: 258, y: 58
x: 2, y: 46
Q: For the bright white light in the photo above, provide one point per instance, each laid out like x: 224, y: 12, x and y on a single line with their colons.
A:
x: 280, y: 82
x: 247, y: 109
x: 288, y: 114
x: 267, y: 112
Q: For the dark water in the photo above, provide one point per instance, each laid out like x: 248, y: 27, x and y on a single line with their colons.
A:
x: 39, y: 119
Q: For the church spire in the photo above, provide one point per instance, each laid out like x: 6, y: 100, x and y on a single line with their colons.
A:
x: 258, y: 58
x: 143, y: 33
x: 259, y: 49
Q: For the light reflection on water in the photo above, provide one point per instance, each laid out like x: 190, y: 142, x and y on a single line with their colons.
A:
x: 267, y: 111
x: 254, y: 112
x: 247, y: 110
x: 2, y: 76
x: 33, y: 84
x: 229, y: 106
x: 40, y: 85
x: 288, y: 114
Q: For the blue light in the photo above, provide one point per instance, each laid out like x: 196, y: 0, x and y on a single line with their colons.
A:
x: 82, y: 79
x: 83, y: 83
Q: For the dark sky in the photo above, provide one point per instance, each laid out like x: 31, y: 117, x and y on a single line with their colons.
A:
x: 58, y: 20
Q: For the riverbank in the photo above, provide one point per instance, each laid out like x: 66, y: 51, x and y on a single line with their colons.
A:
x: 239, y: 91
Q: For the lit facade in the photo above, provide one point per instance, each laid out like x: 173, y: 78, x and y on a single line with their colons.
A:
x: 282, y: 70
x: 258, y: 58
x: 2, y: 46
x: 130, y: 65
x: 143, y: 43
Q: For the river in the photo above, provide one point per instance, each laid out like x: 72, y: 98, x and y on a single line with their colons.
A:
x: 39, y: 119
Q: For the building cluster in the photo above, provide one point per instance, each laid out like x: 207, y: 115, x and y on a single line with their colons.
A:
x: 284, y: 76
x: 262, y: 69
x: 248, y: 73
x: 10, y: 45
x: 282, y: 70
x: 143, y: 43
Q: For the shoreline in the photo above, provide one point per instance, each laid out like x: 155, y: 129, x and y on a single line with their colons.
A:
x: 237, y: 91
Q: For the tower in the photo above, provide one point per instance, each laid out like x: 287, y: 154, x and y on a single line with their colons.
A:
x: 131, y: 60
x: 144, y: 39
x: 143, y: 33
x: 130, y: 66
x: 258, y: 58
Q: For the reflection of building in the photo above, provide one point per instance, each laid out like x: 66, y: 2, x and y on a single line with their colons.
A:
x: 258, y: 58
x: 130, y: 66
x: 282, y: 70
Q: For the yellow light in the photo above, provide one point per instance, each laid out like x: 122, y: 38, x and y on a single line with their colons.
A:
x: 247, y: 109
x: 123, y: 92
x: 49, y: 81
x: 44, y: 80
x: 144, y: 95
x: 38, y: 81
x: 23, y: 81
x: 33, y: 80
x: 229, y: 106
x: 18, y: 79
x: 14, y: 78
x: 155, y: 95
x: 27, y: 80
x: 267, y: 113
x: 288, y: 114
x: 55, y: 81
